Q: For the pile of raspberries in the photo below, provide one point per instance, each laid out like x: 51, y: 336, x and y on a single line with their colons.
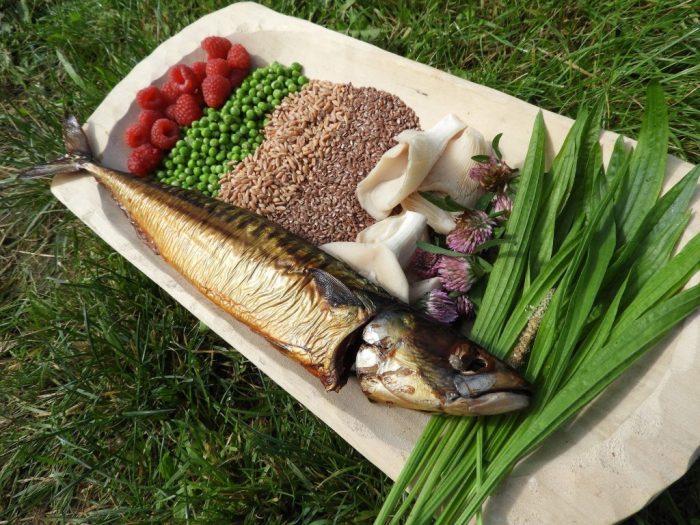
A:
x: 181, y: 101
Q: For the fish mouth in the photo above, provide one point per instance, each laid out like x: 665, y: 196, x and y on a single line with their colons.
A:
x: 491, y: 403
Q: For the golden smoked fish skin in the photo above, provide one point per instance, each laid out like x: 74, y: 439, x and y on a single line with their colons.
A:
x: 308, y: 304
x: 305, y: 302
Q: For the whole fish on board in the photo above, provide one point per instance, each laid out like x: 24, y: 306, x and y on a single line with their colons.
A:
x: 306, y: 303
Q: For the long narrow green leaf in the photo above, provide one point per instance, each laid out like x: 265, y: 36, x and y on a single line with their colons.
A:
x: 666, y: 281
x: 509, y: 268
x: 594, y: 376
x: 579, y: 193
x: 551, y: 272
x: 588, y: 281
x: 642, y: 185
x: 619, y: 160
x: 667, y: 211
x: 557, y: 186
x: 599, y: 335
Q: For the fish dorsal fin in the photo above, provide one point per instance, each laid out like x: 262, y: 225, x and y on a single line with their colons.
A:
x: 334, y: 290
x: 74, y: 138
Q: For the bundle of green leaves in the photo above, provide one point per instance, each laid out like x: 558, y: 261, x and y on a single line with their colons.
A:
x: 600, y: 243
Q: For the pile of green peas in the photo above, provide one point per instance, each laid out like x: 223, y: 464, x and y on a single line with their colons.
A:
x: 219, y: 140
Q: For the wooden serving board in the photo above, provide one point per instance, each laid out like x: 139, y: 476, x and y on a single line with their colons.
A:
x: 631, y: 443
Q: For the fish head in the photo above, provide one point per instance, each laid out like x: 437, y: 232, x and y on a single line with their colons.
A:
x: 411, y: 361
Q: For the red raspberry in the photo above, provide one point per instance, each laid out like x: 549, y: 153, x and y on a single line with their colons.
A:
x: 144, y: 159
x: 238, y: 57
x: 164, y: 133
x: 148, y: 116
x: 187, y: 110
x: 237, y: 76
x: 184, y: 79
x: 200, y: 98
x: 170, y: 111
x: 216, y: 47
x: 170, y: 92
x: 216, y: 90
x: 136, y: 134
x: 151, y: 98
x: 200, y: 69
x: 218, y: 66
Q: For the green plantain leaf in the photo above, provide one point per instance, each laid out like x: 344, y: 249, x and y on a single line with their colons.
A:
x: 509, y: 267
x: 642, y: 184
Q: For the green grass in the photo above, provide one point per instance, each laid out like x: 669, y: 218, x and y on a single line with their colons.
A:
x: 115, y: 405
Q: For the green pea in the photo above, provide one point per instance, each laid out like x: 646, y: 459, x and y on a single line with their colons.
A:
x: 221, y: 156
x: 195, y: 154
x: 197, y: 171
x: 259, y: 140
x: 211, y: 152
x: 302, y: 80
x: 190, y: 163
x: 223, y: 128
x: 296, y: 66
x: 293, y: 88
x: 169, y: 164
x: 206, y: 133
x: 175, y: 183
x: 227, y: 119
x: 201, y: 185
x: 225, y: 138
x: 276, y: 102
x: 189, y: 180
x: 276, y: 94
x: 250, y: 124
x: 210, y: 161
x: 213, y: 143
x: 245, y: 108
x: 235, y: 138
x: 178, y: 159
x: 188, y: 171
x: 253, y: 133
x: 200, y: 162
x: 203, y: 122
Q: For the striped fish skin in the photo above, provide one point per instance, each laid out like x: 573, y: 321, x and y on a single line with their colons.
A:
x: 269, y: 279
x: 308, y: 304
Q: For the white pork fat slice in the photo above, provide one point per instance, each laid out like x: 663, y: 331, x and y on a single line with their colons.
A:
x: 450, y: 174
x: 399, y: 233
x: 438, y: 219
x: 402, y: 169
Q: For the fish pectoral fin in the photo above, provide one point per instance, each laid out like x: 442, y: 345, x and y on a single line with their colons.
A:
x: 334, y: 290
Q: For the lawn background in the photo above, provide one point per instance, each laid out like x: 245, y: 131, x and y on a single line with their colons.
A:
x: 116, y: 406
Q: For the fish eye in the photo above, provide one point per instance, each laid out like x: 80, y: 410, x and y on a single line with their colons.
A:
x: 467, y: 361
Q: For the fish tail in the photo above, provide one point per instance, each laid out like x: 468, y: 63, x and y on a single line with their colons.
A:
x: 78, y: 153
